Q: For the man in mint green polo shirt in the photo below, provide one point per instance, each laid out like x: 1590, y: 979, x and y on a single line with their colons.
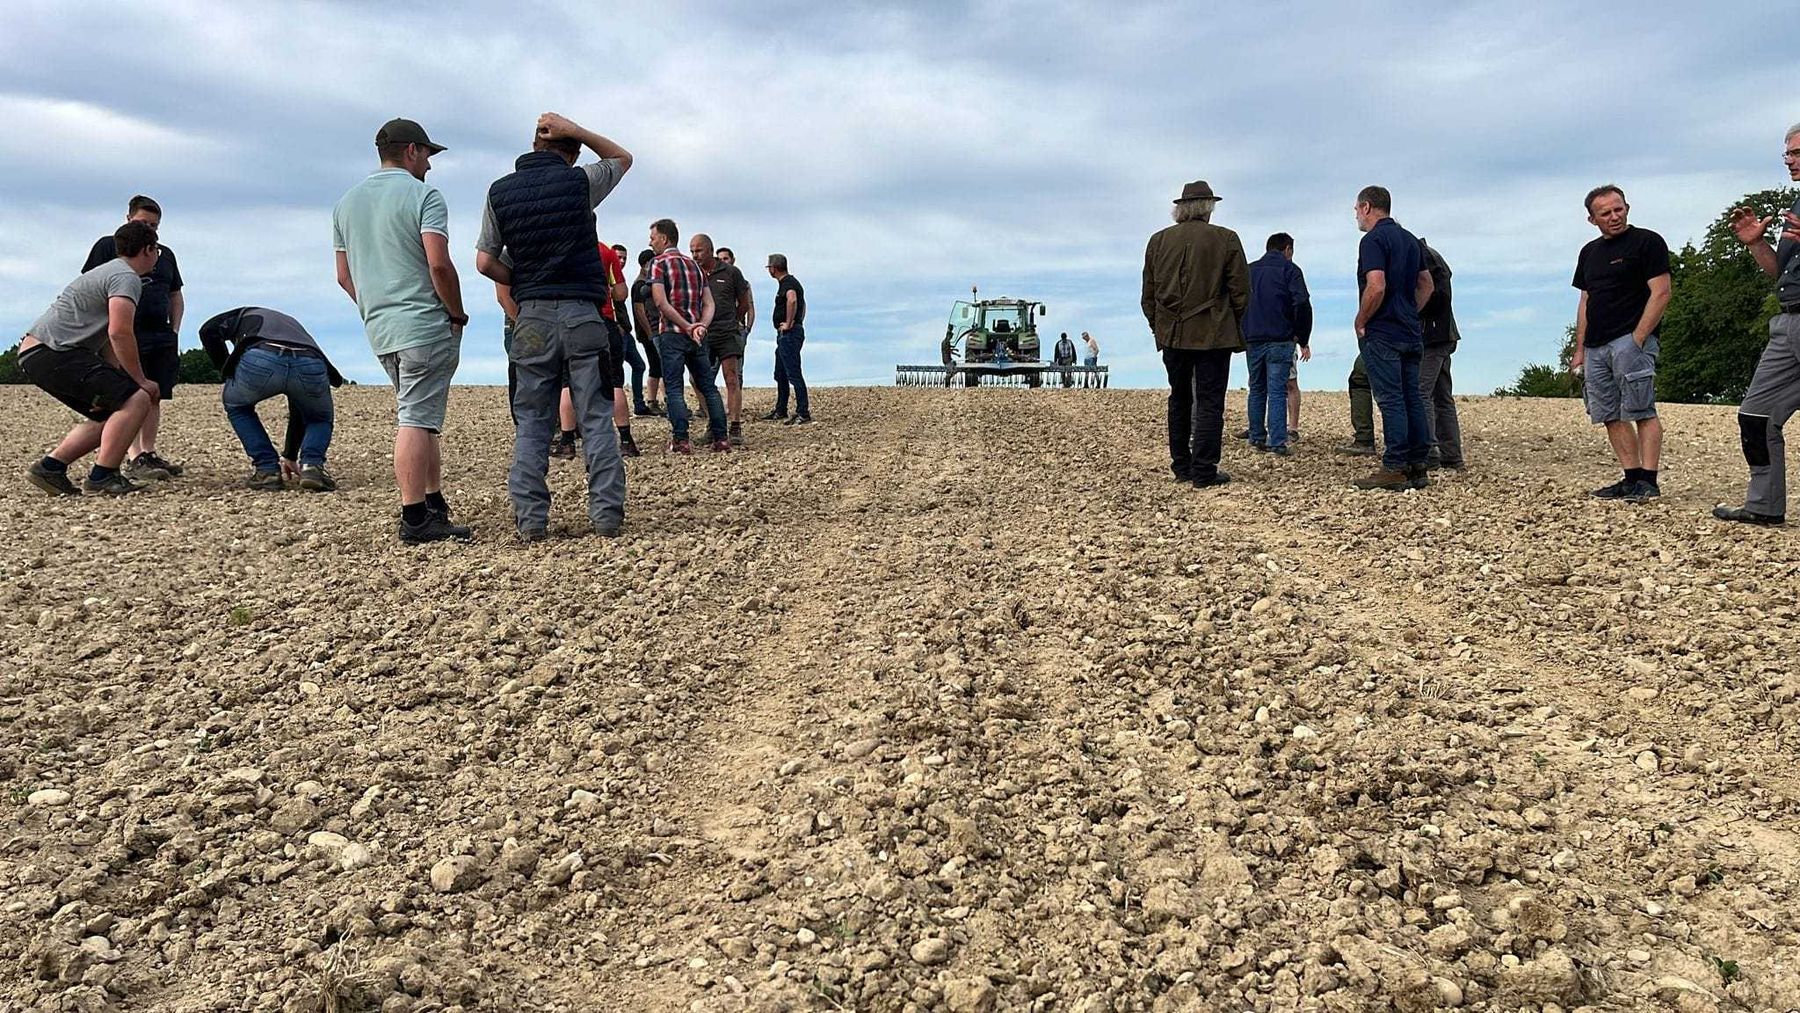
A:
x: 392, y: 236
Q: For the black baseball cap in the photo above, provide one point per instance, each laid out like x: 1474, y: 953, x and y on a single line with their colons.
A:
x: 403, y: 131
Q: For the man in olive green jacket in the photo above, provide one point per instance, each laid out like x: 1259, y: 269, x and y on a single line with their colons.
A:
x: 1196, y: 289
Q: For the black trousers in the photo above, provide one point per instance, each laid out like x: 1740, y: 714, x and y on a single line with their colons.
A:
x: 1196, y: 409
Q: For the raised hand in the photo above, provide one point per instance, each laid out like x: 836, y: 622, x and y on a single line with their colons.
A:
x: 1790, y: 226
x: 1749, y: 228
x: 554, y: 125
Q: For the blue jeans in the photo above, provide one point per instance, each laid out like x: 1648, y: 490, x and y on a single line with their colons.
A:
x: 1394, y: 380
x: 552, y: 335
x: 787, y: 372
x: 636, y: 362
x: 678, y: 352
x: 1271, y: 363
x: 262, y: 373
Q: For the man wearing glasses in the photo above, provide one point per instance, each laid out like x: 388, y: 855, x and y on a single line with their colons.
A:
x: 1774, y: 393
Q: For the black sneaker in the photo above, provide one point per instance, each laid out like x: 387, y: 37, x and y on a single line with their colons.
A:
x: 1243, y: 434
x: 56, y: 483
x: 265, y: 481
x: 773, y: 416
x: 1641, y: 491
x: 1617, y: 490
x: 529, y: 536
x: 156, y: 460
x: 1356, y: 448
x: 799, y: 420
x: 314, y: 478
x: 1416, y: 477
x: 1742, y: 516
x: 736, y: 434
x: 115, y: 484
x: 641, y: 410
x: 1281, y: 450
x: 1217, y: 478
x: 144, y: 468
x: 607, y: 528
x: 437, y: 528
x: 562, y: 450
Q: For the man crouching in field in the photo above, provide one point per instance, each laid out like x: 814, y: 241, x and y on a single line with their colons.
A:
x: 83, y: 352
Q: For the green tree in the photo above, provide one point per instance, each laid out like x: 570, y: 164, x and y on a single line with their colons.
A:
x: 1717, y: 321
x: 9, y: 366
x: 197, y: 367
x: 1538, y: 380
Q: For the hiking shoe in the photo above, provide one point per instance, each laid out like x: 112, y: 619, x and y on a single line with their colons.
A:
x: 1416, y: 477
x: 641, y: 410
x: 773, y: 417
x: 314, y: 478
x: 265, y: 481
x: 1216, y: 478
x: 156, y: 460
x: 799, y: 420
x: 681, y: 447
x: 721, y: 446
x: 143, y: 467
x: 1742, y: 516
x: 1281, y: 450
x: 1243, y: 434
x: 628, y: 447
x: 115, y: 484
x: 606, y: 528
x: 56, y: 483
x: 1382, y: 478
x: 436, y: 528
x: 1641, y: 491
x: 528, y: 536
x: 1357, y: 449
x: 657, y: 408
x: 736, y: 435
x: 562, y: 450
x: 1617, y: 490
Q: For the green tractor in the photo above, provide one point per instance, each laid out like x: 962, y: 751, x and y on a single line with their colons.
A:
x: 992, y: 341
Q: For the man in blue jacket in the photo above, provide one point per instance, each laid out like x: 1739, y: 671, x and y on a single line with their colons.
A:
x: 1278, y: 322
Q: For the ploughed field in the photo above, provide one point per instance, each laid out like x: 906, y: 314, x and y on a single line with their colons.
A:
x: 952, y: 701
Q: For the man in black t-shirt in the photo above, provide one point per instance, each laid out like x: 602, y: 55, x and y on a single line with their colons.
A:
x: 790, y: 335
x: 643, y: 310
x: 158, y: 322
x: 729, y: 334
x: 1624, y: 281
x: 1774, y: 394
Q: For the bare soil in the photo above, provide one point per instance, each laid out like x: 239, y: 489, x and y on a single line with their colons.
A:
x: 952, y: 701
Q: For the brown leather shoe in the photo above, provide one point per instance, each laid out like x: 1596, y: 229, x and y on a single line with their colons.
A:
x: 1383, y: 479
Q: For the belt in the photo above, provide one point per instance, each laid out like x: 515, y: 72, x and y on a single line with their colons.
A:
x: 1790, y: 307
x: 298, y: 351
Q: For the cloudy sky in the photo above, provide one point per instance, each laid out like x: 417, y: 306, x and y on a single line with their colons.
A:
x: 899, y: 153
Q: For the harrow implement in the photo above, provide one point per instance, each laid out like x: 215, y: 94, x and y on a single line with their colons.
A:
x: 1031, y: 375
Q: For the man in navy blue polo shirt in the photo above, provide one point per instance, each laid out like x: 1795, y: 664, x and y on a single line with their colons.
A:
x: 1391, y: 274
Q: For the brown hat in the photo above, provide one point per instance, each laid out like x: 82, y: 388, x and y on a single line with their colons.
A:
x: 402, y: 131
x: 1197, y: 190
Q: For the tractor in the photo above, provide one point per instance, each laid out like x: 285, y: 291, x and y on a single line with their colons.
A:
x: 994, y: 341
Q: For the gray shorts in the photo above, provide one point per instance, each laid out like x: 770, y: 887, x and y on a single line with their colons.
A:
x: 1620, y: 382
x: 421, y: 376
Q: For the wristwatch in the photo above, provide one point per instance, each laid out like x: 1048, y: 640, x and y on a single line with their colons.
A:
x: 461, y: 321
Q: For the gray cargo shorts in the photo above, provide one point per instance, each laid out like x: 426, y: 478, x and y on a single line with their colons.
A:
x: 1620, y: 381
x: 421, y: 376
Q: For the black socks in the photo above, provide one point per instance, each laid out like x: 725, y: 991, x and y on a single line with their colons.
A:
x: 99, y: 474
x: 1641, y: 475
x: 436, y: 501
x: 413, y: 514
x: 568, y: 436
x: 55, y: 466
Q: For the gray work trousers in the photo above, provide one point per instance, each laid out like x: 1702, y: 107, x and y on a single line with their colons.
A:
x: 1773, y: 397
x: 549, y: 332
x: 1440, y: 405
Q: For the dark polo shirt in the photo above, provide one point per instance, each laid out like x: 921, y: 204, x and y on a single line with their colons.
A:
x: 1396, y: 253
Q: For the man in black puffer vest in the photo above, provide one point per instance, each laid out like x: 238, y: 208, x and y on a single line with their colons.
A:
x: 538, y: 235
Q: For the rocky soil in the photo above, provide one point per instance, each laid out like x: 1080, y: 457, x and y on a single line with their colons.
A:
x: 952, y: 701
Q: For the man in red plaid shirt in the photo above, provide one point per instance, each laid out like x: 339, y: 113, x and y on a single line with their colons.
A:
x: 684, y: 310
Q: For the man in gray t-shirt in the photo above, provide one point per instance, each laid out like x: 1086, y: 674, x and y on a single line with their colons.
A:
x: 83, y: 352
